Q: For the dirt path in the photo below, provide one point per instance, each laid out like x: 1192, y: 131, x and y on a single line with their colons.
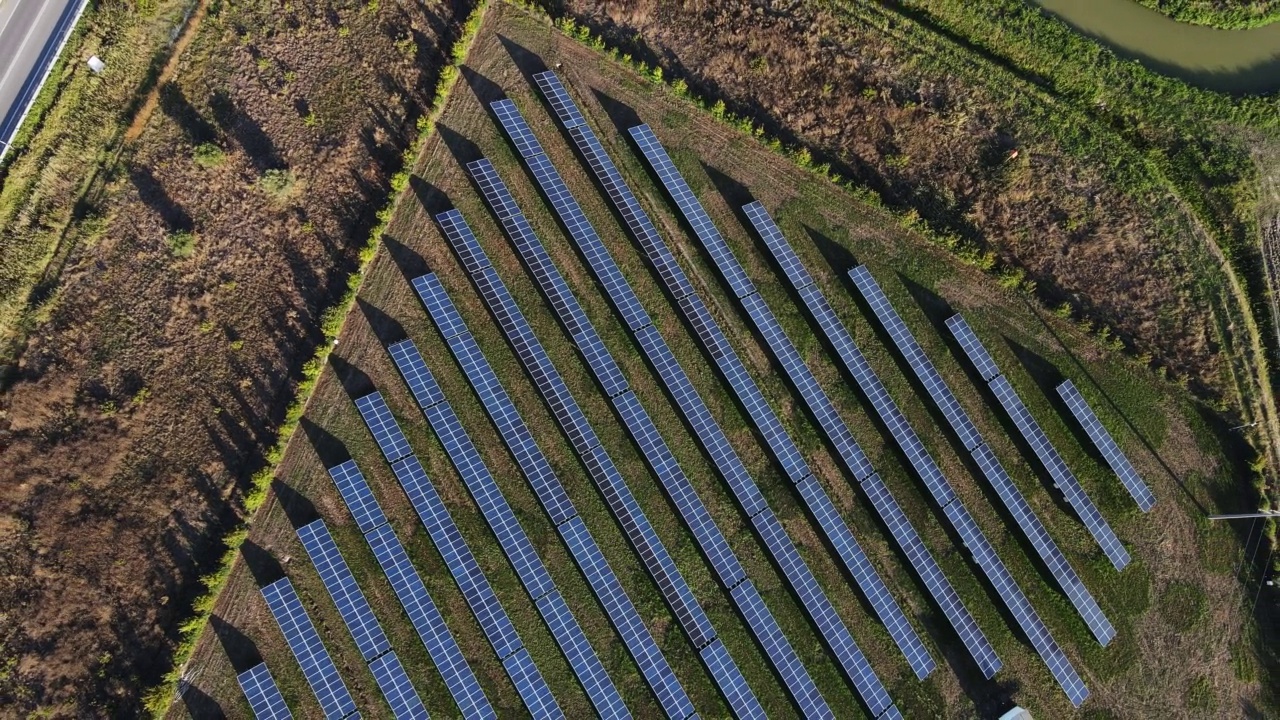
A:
x: 175, y: 56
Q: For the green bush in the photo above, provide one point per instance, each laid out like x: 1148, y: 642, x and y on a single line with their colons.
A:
x: 278, y: 183
x: 182, y: 243
x: 208, y: 155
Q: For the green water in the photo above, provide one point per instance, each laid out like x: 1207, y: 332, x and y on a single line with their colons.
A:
x: 1235, y: 61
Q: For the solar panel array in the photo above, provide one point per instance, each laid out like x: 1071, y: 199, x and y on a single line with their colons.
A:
x: 414, y: 598
x: 262, y: 693
x: 1106, y: 445
x: 397, y: 688
x: 1063, y: 478
x: 299, y: 632
x: 984, y: 555
x: 342, y: 587
x: 475, y: 587
x: 551, y: 493
x: 691, y: 406
x: 530, y: 350
x: 767, y: 421
x: 857, y: 366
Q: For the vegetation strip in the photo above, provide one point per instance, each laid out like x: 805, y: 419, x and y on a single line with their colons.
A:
x: 159, y: 698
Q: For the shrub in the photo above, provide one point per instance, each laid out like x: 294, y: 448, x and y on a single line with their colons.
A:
x: 182, y: 243
x: 208, y: 155
x: 278, y: 183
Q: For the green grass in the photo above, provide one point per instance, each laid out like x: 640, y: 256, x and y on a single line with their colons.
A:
x: 1226, y: 14
x: 1182, y: 604
x: 182, y: 243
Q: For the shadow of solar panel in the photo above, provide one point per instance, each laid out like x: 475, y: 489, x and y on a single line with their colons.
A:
x: 780, y: 653
x: 1062, y: 476
x: 382, y: 425
x: 430, y: 626
x: 356, y: 494
x: 484, y: 604
x: 439, y: 308
x: 342, y: 588
x: 262, y: 693
x: 828, y: 623
x: 397, y: 688
x: 493, y: 506
x: 531, y: 686
x: 426, y: 391
x: 1107, y: 446
x: 322, y: 675
x: 692, y: 210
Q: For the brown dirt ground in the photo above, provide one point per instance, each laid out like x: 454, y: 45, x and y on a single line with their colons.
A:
x: 943, y: 147
x: 142, y: 405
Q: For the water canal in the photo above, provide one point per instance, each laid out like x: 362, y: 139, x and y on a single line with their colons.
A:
x: 1235, y: 61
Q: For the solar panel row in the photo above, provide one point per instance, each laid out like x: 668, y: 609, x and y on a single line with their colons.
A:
x: 674, y: 377
x: 262, y: 693
x: 653, y: 447
x: 635, y: 418
x: 984, y: 554
x: 466, y: 572
x: 608, y: 591
x: 429, y: 624
x: 1034, y: 435
x: 493, y: 619
x: 725, y: 672
x: 632, y: 629
x: 317, y: 666
x: 1107, y: 446
x: 838, y: 336
x: 397, y: 688
x: 342, y: 588
x: 766, y: 420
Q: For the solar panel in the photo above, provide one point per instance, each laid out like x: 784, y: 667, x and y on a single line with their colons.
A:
x: 426, y: 620
x: 382, y: 425
x: 426, y: 391
x: 973, y: 348
x: 357, y: 495
x: 517, y: 129
x: 322, y: 675
x: 691, y: 508
x: 742, y: 701
x: 868, y: 580
x: 397, y: 688
x: 586, y: 666
x: 1063, y: 478
x: 463, y: 240
x: 931, y: 575
x: 673, y: 278
x: 1019, y: 606
x: 829, y: 624
x: 342, y: 587
x: 704, y: 425
x: 531, y: 686
x: 983, y: 554
x: 262, y: 693
x: 1045, y: 547
x: 779, y: 651
x: 559, y: 99
x: 493, y: 506
x: 464, y: 569
x: 692, y: 210
x: 1107, y: 446
x: 438, y: 306
x: 777, y: 244
x: 815, y: 398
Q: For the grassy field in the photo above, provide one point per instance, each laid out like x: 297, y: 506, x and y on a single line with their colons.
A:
x: 1219, y: 13
x: 1165, y: 644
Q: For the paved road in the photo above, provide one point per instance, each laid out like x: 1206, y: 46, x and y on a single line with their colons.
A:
x: 31, y: 35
